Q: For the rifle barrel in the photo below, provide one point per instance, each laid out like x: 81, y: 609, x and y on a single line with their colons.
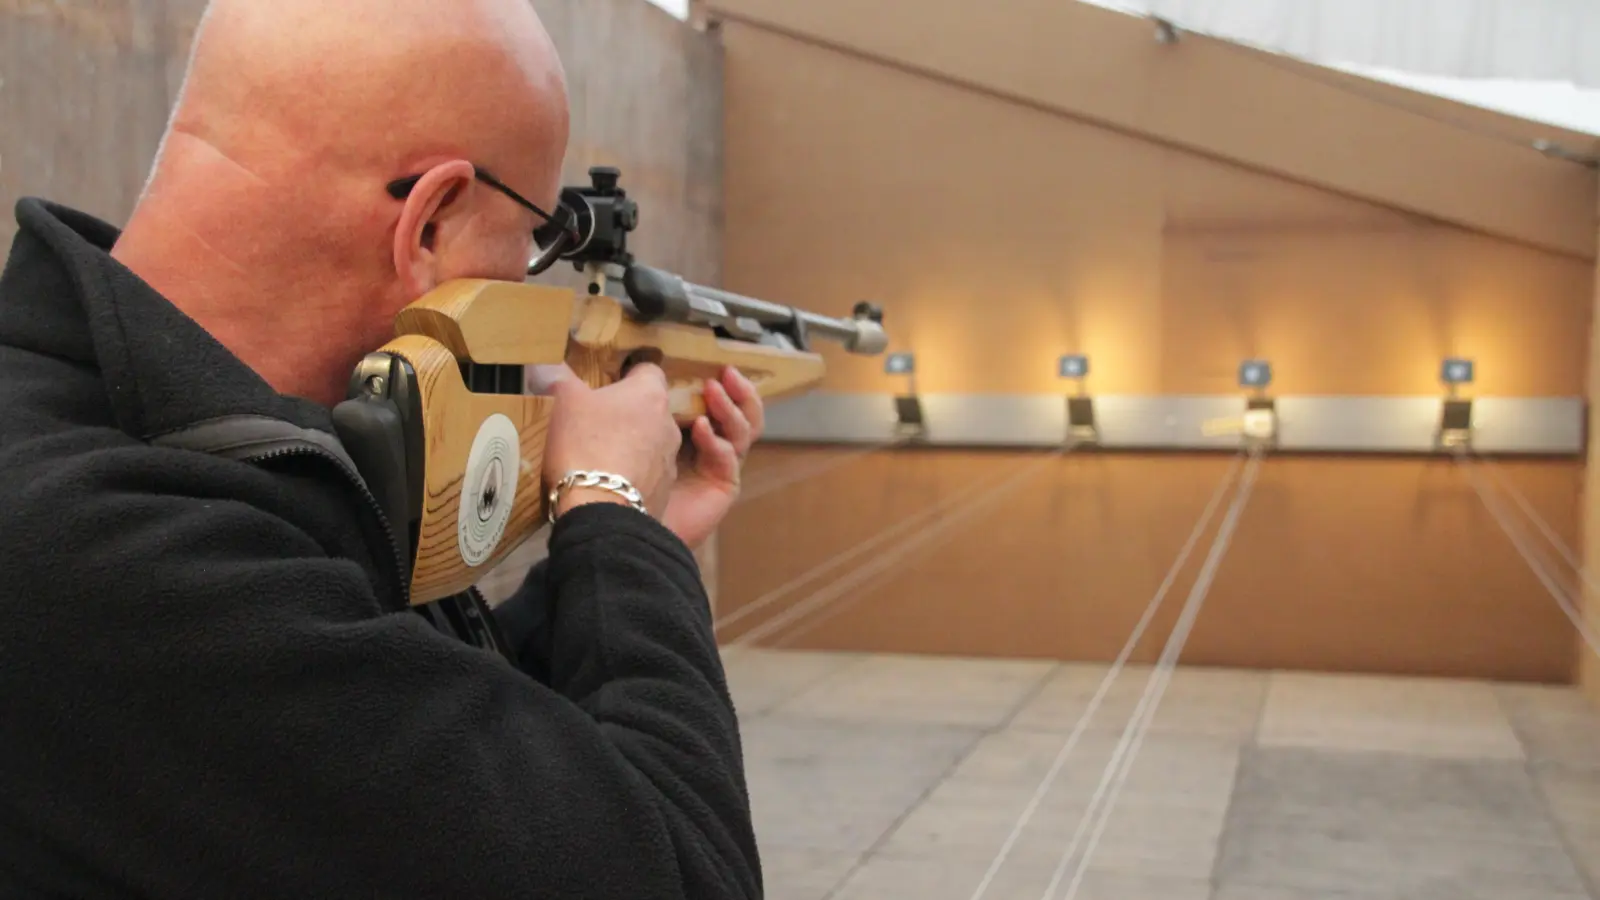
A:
x: 659, y: 294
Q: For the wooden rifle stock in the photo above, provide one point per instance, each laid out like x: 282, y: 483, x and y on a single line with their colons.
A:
x: 440, y: 409
x: 606, y: 341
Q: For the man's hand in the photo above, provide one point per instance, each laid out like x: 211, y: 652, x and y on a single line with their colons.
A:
x: 624, y: 428
x: 708, y: 480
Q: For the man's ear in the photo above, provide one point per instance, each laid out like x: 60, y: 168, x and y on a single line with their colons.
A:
x: 435, y: 197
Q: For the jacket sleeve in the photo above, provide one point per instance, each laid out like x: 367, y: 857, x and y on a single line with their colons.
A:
x: 215, y: 707
x: 524, y: 620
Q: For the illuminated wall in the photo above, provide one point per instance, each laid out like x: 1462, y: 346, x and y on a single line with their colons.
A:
x: 999, y: 233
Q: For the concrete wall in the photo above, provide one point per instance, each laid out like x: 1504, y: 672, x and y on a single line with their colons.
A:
x: 1006, y: 207
x: 85, y: 89
x: 84, y: 95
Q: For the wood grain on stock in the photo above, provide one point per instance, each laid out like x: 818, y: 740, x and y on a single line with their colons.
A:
x: 487, y: 322
x: 452, y: 417
x: 605, y: 338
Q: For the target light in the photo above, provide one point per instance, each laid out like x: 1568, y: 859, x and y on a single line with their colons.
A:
x: 1261, y: 411
x: 1455, y: 412
x: 1081, y: 428
x: 1456, y: 371
x: 1255, y: 373
x: 908, y: 420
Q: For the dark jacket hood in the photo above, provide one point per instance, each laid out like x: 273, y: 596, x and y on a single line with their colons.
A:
x: 162, y: 371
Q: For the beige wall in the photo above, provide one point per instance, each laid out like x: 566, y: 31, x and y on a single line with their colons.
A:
x: 999, y: 232
x: 1589, y: 674
x: 998, y: 236
x: 1423, y: 155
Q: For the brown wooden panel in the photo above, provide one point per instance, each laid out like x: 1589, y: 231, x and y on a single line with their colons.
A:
x: 1371, y: 564
x: 1589, y: 671
x: 1370, y: 310
x: 1384, y: 144
x: 999, y: 236
x: 993, y: 235
x: 1392, y: 565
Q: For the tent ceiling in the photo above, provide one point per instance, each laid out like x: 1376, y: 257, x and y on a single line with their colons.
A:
x: 1539, y: 59
x: 1533, y: 40
x: 1536, y: 59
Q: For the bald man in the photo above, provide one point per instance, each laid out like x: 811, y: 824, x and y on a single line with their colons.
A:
x: 210, y: 683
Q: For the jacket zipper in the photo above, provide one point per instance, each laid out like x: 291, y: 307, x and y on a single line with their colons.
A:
x: 310, y: 449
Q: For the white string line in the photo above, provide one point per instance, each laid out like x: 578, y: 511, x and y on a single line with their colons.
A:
x: 1111, y: 674
x: 828, y: 594
x: 944, y: 531
x: 837, y: 609
x: 855, y: 550
x: 1549, y: 533
x: 1557, y: 591
x: 1133, y: 735
x: 774, y: 483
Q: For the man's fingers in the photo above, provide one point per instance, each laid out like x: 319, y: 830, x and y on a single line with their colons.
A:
x: 730, y: 419
x: 715, y: 456
x: 744, y: 395
x: 647, y: 371
x: 649, y: 378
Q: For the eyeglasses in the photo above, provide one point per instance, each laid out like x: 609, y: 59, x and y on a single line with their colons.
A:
x: 554, y: 237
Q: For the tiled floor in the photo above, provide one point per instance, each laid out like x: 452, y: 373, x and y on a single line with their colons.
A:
x: 902, y: 777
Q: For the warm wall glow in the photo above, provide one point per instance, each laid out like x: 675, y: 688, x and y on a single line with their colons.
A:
x: 1166, y: 268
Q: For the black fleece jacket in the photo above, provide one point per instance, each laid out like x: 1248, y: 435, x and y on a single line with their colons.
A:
x: 210, y: 687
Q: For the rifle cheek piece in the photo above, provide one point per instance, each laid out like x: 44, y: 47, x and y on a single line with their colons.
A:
x: 380, y: 426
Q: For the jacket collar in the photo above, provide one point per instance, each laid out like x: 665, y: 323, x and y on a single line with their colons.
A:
x: 63, y: 294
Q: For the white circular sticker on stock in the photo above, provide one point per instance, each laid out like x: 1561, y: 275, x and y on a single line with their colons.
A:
x: 488, y: 488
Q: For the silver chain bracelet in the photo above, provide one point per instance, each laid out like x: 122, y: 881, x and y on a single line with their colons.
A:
x: 605, y: 481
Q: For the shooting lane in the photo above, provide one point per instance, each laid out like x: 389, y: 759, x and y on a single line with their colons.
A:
x: 984, y: 649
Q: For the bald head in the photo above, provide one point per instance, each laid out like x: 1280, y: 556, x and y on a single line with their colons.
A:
x: 367, y: 84
x: 266, y: 216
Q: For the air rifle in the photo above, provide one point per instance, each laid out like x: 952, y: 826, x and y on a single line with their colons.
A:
x: 445, y: 437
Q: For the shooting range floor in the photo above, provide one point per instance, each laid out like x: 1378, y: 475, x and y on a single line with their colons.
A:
x: 899, y: 777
